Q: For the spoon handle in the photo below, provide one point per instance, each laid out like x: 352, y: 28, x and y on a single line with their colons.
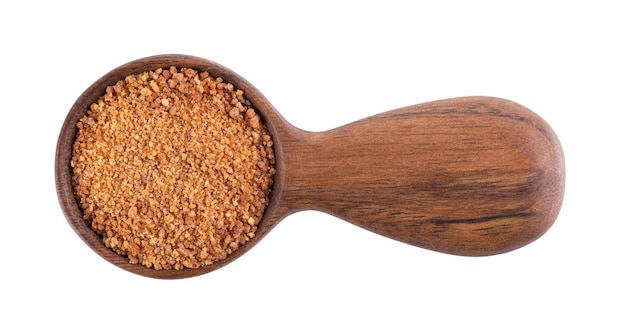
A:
x: 469, y: 176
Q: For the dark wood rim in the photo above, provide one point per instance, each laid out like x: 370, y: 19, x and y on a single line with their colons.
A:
x: 64, y: 189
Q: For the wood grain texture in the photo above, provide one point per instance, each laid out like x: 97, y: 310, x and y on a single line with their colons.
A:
x: 469, y: 176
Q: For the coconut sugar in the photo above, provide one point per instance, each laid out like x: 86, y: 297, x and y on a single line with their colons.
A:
x: 173, y: 168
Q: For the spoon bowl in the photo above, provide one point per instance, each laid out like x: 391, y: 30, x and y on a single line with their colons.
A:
x: 470, y: 176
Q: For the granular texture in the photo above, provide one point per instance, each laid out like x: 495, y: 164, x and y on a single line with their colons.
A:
x: 173, y: 168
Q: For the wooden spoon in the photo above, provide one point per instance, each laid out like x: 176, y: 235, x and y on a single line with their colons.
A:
x: 468, y: 176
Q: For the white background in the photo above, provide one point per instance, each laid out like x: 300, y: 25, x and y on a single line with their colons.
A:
x: 322, y: 65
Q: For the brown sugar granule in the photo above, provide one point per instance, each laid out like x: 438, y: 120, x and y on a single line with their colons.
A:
x: 173, y: 168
